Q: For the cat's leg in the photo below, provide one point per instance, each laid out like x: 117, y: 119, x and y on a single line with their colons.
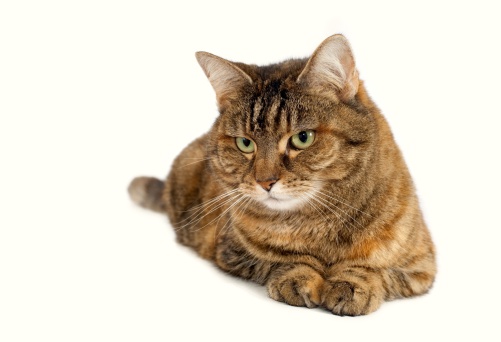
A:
x: 354, y: 290
x: 294, y: 284
x: 233, y: 258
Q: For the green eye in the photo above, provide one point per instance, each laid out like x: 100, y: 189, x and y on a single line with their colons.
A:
x: 245, y: 145
x: 303, y: 139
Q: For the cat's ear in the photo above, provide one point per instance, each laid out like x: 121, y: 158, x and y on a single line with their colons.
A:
x: 225, y: 77
x: 331, y: 70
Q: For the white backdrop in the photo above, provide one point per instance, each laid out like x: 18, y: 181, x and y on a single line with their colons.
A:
x: 93, y: 93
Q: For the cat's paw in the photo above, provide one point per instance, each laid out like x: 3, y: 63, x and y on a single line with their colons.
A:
x: 344, y: 298
x: 298, y: 286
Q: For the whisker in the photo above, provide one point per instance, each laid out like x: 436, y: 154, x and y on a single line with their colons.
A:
x: 339, y: 199
x: 239, y: 198
x: 239, y: 211
x: 212, y: 207
x: 212, y: 200
x: 203, y: 212
x: 343, y: 211
x: 201, y: 208
x: 322, y: 204
x: 198, y: 160
x: 314, y: 206
x: 328, y: 205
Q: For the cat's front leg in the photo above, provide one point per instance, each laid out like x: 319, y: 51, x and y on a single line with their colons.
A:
x: 353, y: 290
x: 232, y: 257
x: 296, y: 284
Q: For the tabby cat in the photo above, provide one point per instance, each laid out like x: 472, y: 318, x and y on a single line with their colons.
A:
x: 299, y: 186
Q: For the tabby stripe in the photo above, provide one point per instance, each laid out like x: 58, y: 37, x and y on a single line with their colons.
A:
x: 360, y: 272
x: 397, y: 285
x: 256, y: 113
x: 272, y: 115
x: 279, y: 254
x: 369, y: 302
x: 263, y: 272
x: 250, y: 114
x: 279, y: 117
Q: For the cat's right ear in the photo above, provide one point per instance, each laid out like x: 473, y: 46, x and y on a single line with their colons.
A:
x: 225, y: 77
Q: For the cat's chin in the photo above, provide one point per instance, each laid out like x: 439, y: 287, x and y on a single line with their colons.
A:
x: 281, y: 204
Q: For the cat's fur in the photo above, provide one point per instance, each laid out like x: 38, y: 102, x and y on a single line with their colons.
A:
x: 335, y: 225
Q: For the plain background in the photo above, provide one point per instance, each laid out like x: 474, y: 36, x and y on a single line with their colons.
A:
x: 93, y: 93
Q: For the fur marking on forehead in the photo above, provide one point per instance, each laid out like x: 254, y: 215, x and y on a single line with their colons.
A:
x: 267, y: 109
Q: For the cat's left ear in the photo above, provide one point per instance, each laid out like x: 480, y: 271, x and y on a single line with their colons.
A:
x: 331, y: 70
x: 225, y: 77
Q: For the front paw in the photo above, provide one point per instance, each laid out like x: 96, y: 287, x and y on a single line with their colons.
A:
x: 298, y: 286
x: 345, y: 298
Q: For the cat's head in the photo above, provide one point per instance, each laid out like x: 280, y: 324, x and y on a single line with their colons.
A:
x: 291, y: 131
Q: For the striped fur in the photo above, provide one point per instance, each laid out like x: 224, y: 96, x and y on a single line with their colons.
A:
x: 339, y: 226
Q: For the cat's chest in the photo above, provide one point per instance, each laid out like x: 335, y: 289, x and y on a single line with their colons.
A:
x: 279, y: 238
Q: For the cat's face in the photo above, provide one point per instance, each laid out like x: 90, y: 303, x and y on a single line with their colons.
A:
x: 276, y: 141
x: 283, y: 148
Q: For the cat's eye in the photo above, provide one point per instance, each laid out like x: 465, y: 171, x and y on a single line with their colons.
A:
x: 303, y: 139
x: 245, y: 145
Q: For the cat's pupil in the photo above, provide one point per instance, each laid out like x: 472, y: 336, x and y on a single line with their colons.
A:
x: 246, y: 142
x: 303, y: 136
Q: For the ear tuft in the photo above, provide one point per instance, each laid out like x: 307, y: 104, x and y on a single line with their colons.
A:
x: 225, y: 77
x: 331, y: 70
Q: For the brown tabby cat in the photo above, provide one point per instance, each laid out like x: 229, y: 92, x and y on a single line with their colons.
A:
x: 300, y: 186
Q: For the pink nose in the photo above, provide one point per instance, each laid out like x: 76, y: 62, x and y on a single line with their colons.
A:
x: 266, y: 185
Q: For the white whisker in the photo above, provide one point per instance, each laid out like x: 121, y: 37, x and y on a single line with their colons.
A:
x: 244, y: 202
x: 337, y: 198
x: 239, y: 198
x: 197, y: 160
x: 335, y: 210
x: 212, y: 200
x: 197, y: 216
x: 314, y: 206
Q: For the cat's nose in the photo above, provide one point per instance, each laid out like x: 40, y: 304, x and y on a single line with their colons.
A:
x: 267, y: 184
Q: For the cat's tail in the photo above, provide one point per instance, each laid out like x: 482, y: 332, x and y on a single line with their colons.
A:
x: 147, y: 192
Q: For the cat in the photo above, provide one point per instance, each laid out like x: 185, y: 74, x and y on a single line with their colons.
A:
x: 299, y: 186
